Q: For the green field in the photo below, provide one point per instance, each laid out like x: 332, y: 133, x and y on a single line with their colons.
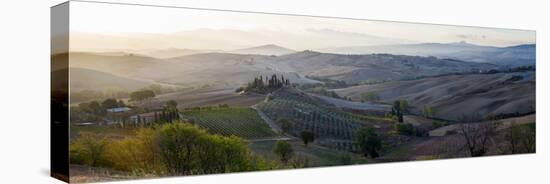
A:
x: 315, y: 154
x: 110, y: 131
x: 242, y: 122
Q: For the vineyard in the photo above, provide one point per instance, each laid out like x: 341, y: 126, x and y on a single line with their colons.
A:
x: 332, y: 127
x: 242, y: 122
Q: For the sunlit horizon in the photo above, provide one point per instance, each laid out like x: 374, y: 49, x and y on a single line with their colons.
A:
x: 143, y: 27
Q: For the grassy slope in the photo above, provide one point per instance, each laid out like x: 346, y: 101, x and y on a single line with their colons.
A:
x: 317, y: 155
x: 108, y: 131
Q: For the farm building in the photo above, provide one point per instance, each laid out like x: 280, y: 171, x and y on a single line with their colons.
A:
x: 145, y: 118
x: 148, y: 118
x: 84, y: 123
x: 154, y: 117
x: 119, y: 109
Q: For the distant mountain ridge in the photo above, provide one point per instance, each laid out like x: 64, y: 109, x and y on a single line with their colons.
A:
x: 169, y: 52
x: 269, y: 49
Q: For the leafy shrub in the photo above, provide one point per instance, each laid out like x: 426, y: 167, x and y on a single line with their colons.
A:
x: 370, y: 97
x: 141, y: 95
x: 307, y: 137
x: 284, y: 150
x: 368, y: 141
x: 405, y: 129
x: 136, y: 154
x: 300, y: 161
x: 171, y: 149
x: 437, y: 124
x: 345, y: 159
x: 186, y: 149
x: 88, y: 149
x: 286, y: 126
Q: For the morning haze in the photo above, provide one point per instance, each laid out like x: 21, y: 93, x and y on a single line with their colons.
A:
x: 173, y: 92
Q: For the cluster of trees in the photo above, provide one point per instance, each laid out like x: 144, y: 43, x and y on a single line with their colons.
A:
x: 160, y: 89
x: 168, y: 149
x: 323, y: 88
x: 261, y: 85
x: 480, y: 137
x: 169, y: 114
x: 323, y: 91
x: 287, y: 156
x: 96, y: 108
x: 522, y: 68
x: 428, y: 112
x: 520, y: 138
x: 307, y: 137
x: 408, y: 129
x: 284, y: 150
x: 399, y: 107
x: 326, y: 82
x: 286, y: 126
x: 368, y: 141
x: 142, y: 95
x: 207, y: 108
x: 510, y: 70
x: 370, y: 97
x: 166, y: 115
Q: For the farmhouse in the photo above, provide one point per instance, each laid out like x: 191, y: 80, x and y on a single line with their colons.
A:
x: 145, y: 118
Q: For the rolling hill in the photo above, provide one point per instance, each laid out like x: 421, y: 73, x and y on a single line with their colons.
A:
x: 234, y: 70
x: 127, y: 65
x: 81, y: 79
x: 231, y: 70
x: 373, y: 67
x: 455, y: 96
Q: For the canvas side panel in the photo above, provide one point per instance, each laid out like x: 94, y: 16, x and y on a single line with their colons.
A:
x: 59, y: 110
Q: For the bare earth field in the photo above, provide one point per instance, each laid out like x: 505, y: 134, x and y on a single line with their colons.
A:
x: 209, y: 97
x: 455, y: 96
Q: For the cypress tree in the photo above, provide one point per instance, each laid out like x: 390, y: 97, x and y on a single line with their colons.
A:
x: 138, y: 121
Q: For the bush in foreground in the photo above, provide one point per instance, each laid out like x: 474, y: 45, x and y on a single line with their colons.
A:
x: 170, y: 149
x: 284, y: 150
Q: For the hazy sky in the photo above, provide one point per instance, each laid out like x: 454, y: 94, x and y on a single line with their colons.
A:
x: 141, y: 27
